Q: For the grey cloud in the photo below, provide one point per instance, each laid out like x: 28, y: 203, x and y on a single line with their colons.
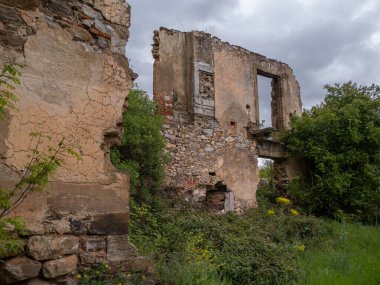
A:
x: 323, y: 42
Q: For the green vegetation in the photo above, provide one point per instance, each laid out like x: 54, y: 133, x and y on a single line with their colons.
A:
x: 350, y: 256
x: 142, y: 149
x: 276, y: 244
x: 267, y: 194
x: 192, y: 246
x: 339, y: 141
x: 266, y: 170
x: 9, y: 79
x: 99, y: 275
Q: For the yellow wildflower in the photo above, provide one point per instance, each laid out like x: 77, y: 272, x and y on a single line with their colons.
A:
x: 271, y: 212
x: 301, y: 248
x: 283, y: 200
x: 294, y: 212
x: 78, y: 276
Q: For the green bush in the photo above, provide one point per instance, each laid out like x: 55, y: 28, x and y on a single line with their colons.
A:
x: 339, y: 141
x: 253, y: 248
x: 142, y: 151
x: 266, y: 196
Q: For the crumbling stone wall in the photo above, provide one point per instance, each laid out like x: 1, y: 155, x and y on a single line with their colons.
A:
x: 74, y: 86
x: 206, y: 153
x: 208, y: 92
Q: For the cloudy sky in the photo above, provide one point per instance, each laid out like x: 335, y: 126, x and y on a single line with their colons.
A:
x: 324, y: 41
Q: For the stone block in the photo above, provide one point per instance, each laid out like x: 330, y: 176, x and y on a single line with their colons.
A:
x: 110, y: 224
x: 90, y: 258
x: 92, y: 250
x: 118, y: 45
x: 229, y: 139
x: 51, y: 247
x: 119, y: 248
x: 81, y: 34
x: 208, y: 132
x: 60, y: 267
x: 209, y: 149
x: 99, y: 25
x: 90, y: 12
x: 141, y: 263
x: 117, y: 12
x: 209, y: 103
x: 18, y: 269
x: 93, y: 243
x: 62, y: 8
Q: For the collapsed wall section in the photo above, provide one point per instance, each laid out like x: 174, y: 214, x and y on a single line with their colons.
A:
x: 74, y: 87
x: 208, y: 92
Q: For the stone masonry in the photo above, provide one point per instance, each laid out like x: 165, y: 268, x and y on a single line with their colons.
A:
x: 74, y: 87
x: 208, y: 92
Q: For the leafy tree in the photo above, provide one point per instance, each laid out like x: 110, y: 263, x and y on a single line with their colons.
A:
x: 142, y: 150
x: 340, y: 143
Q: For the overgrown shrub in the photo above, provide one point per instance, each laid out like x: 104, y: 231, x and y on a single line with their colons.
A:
x: 142, y: 151
x: 339, y: 141
x: 266, y: 196
x: 253, y: 248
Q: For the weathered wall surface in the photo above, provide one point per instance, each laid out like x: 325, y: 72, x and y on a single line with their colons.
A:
x: 234, y: 75
x: 205, y: 153
x: 209, y: 94
x: 74, y: 86
x: 172, y: 69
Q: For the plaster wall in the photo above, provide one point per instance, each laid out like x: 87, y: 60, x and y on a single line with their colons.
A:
x: 221, y: 93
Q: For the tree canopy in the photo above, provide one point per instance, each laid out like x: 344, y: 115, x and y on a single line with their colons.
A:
x: 340, y: 143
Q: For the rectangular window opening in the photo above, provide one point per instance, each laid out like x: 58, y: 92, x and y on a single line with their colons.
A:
x: 265, y: 101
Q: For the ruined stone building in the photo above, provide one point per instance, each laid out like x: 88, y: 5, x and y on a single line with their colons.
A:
x: 74, y: 86
x: 208, y: 92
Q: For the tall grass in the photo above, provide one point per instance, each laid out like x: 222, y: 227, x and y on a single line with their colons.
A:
x: 182, y: 273
x: 350, y: 256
